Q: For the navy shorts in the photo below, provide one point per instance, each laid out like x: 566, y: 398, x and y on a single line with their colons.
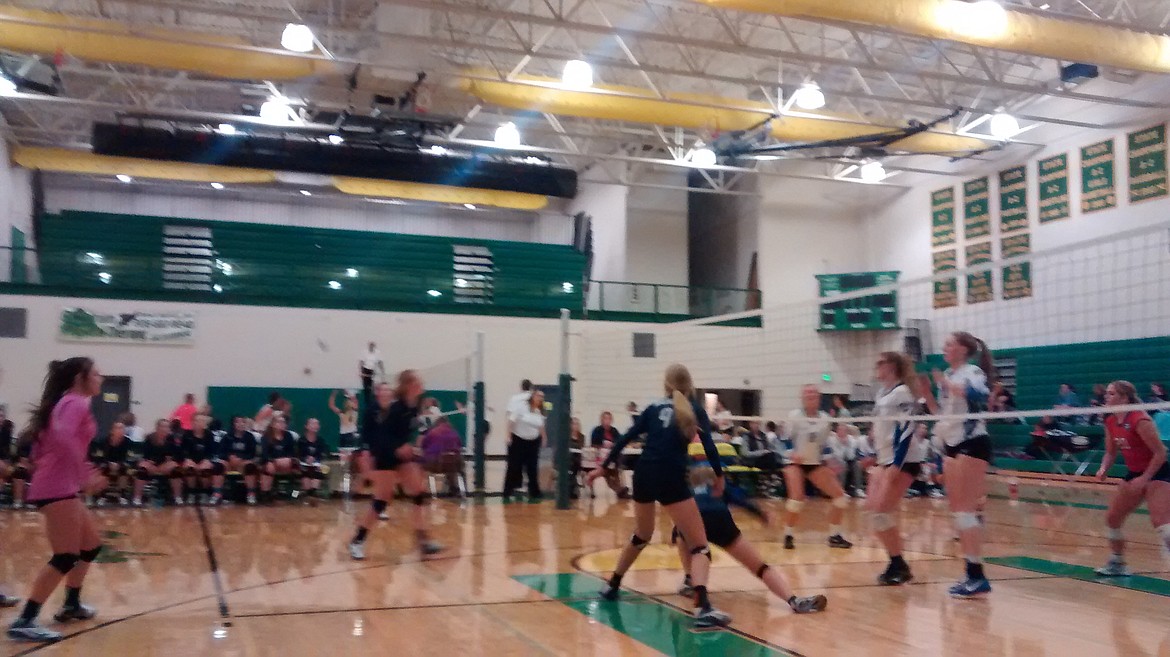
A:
x: 665, y: 485
x: 978, y: 447
x: 1163, y: 474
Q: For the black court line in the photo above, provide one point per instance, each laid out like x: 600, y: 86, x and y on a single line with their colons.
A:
x: 213, y: 564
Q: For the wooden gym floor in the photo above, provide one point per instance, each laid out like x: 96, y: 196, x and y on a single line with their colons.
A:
x: 521, y: 580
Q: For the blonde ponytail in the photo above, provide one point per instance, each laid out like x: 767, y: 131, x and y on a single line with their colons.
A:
x: 680, y: 388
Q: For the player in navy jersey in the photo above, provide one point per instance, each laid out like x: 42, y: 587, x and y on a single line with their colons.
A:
x: 203, y: 449
x: 243, y: 454
x: 14, y: 461
x: 278, y: 453
x: 311, y: 456
x: 111, y: 458
x: 389, y: 427
x: 160, y: 458
x: 722, y: 531
x: 660, y: 477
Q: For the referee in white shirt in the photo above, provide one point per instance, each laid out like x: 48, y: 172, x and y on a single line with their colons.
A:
x: 371, y: 361
x: 524, y: 440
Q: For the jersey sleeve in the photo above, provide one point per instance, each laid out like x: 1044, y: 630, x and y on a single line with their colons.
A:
x: 639, y: 428
x: 704, y: 425
x: 976, y: 383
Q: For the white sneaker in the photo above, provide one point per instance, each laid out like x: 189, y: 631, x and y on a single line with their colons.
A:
x: 357, y: 551
x: 1114, y: 568
x: 138, y: 502
x: 123, y: 501
x: 191, y: 499
x: 383, y: 515
x: 711, y: 617
x: 178, y: 501
x: 32, y: 631
x: 252, y: 499
x: 101, y: 501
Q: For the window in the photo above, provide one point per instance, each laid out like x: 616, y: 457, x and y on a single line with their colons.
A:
x: 188, y: 258
x: 13, y: 323
x: 473, y: 274
x: 645, y: 345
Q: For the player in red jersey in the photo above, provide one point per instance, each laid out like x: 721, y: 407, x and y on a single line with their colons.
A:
x: 1148, y: 478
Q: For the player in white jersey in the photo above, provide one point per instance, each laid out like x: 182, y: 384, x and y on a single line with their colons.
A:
x: 806, y: 441
x: 965, y: 388
x: 899, y: 457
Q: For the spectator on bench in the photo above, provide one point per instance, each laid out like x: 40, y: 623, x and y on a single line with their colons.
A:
x: 111, y: 457
x: 441, y: 447
x: 243, y: 454
x: 277, y: 453
x: 159, y: 459
x: 311, y: 457
x: 1097, y: 400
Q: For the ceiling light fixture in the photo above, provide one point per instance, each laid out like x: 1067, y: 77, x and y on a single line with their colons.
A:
x: 986, y: 19
x: 226, y: 129
x: 872, y: 172
x: 297, y: 38
x: 276, y: 111
x: 434, y: 293
x: 217, y: 287
x: 334, y: 285
x: 217, y: 185
x: 7, y: 86
x: 351, y: 272
x: 704, y: 157
x: 105, y: 277
x: 305, y: 192
x: 469, y: 206
x: 123, y: 178
x: 436, y: 149
x: 508, y: 135
x: 336, y: 140
x: 809, y: 96
x: 1004, y: 126
x: 578, y: 74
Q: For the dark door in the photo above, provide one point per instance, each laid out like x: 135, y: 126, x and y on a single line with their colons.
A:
x: 113, y: 401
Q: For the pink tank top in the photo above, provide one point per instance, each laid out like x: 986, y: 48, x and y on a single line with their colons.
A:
x: 58, y: 455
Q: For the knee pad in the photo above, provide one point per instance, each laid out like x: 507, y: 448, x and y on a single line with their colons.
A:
x: 142, y: 475
x: 251, y: 469
x: 701, y: 551
x: 89, y: 555
x: 882, y: 521
x: 421, y: 499
x: 105, y: 469
x: 218, y: 469
x: 965, y: 520
x: 1115, y: 534
x: 841, y: 502
x: 793, y: 506
x: 378, y: 505
x: 20, y: 472
x: 761, y: 570
x: 64, y: 562
x: 639, y: 542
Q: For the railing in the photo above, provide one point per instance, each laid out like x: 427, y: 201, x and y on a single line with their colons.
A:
x: 661, y: 299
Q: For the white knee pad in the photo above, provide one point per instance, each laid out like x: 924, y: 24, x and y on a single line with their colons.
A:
x: 1115, y: 534
x: 1164, y: 532
x: 794, y: 506
x: 841, y: 502
x: 882, y: 521
x: 965, y: 520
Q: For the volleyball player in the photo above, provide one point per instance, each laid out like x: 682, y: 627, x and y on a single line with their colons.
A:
x: 899, y: 458
x: 14, y: 465
x: 311, y: 457
x: 661, y: 477
x: 243, y: 454
x: 202, y: 447
x: 111, y: 457
x: 278, y: 453
x: 60, y: 431
x: 1148, y: 479
x: 354, y: 456
x: 389, y: 426
x: 721, y: 530
x: 160, y: 458
x: 808, y: 438
x: 965, y: 388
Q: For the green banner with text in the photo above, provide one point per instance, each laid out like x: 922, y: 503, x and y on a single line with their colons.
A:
x: 942, y: 213
x: 1147, y: 164
x: 1053, y: 176
x: 946, y: 291
x: 976, y: 208
x: 1013, y: 199
x: 1098, y: 187
x: 979, y: 287
x: 1017, y: 279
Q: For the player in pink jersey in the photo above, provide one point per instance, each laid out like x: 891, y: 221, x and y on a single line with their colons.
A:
x: 60, y: 431
x: 1148, y: 478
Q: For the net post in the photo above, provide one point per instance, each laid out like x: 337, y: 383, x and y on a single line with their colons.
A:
x: 561, y: 419
x: 478, y: 408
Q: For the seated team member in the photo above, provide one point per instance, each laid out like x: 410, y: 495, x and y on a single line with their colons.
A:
x: 22, y: 471
x: 111, y: 457
x: 159, y: 459
x: 722, y: 531
x: 277, y: 453
x: 10, y: 467
x: 200, y: 445
x: 441, y: 440
x: 311, y: 453
x: 186, y: 471
x: 243, y: 454
x: 603, y: 437
x: 354, y: 455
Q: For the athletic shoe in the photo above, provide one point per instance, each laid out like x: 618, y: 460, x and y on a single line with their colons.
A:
x: 296, y: 494
x: 383, y: 515
x: 215, y: 500
x: 251, y: 499
x: 970, y: 588
x: 8, y: 600
x: 624, y: 493
x: 429, y: 548
x: 191, y: 499
x: 838, y: 541
x: 809, y: 605
x: 137, y: 502
x: 937, y: 493
x: 101, y: 501
x: 357, y: 551
x: 17, y: 506
x: 178, y: 501
x: 75, y: 612
x: 895, y: 576
x: 789, y: 544
x: 1114, y: 568
x: 711, y: 617
x: 123, y: 501
x: 30, y: 630
x: 859, y: 494
x: 686, y: 590
x: 89, y: 502
x: 610, y: 593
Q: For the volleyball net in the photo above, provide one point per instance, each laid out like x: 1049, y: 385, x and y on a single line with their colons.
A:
x: 455, y: 393
x: 1079, y: 314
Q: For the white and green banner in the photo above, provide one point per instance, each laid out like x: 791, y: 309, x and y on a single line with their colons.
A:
x: 1147, y: 164
x: 84, y: 325
x: 1098, y: 189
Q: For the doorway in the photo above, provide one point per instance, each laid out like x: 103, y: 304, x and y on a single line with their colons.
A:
x: 111, y: 403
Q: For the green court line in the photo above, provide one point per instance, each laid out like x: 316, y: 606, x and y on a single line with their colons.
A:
x: 1076, y: 505
x: 654, y: 624
x: 1085, y: 574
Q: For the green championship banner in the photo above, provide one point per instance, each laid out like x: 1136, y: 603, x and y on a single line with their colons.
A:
x: 1013, y: 199
x: 942, y: 213
x: 946, y: 292
x: 979, y: 287
x: 1017, y: 279
x: 976, y: 208
x: 1147, y: 164
x: 1098, y: 190
x: 1053, y: 188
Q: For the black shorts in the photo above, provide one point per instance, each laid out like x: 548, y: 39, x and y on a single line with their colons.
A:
x: 40, y: 504
x: 912, y: 469
x: 663, y: 484
x: 720, y: 526
x: 978, y: 447
x: 808, y: 468
x: 386, y: 460
x: 349, y: 441
x: 1163, y: 474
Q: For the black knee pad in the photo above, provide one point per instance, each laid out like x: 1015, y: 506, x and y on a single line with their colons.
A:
x: 251, y: 469
x: 675, y: 535
x: 218, y: 469
x: 704, y: 551
x: 421, y: 499
x: 89, y: 555
x: 639, y: 542
x: 379, y: 505
x: 64, y: 562
x: 761, y: 570
x: 180, y: 472
x: 142, y: 475
x: 105, y: 469
x: 20, y: 472
x: 316, y: 472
